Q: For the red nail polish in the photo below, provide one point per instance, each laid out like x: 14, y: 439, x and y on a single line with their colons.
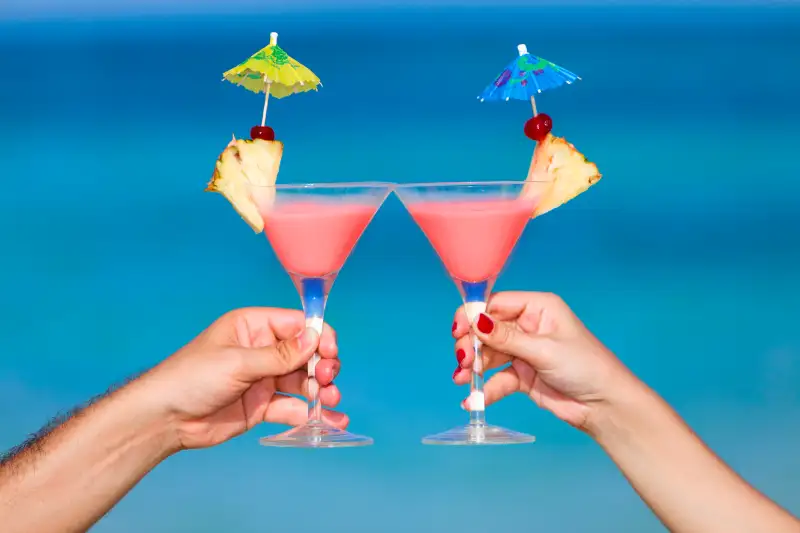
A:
x: 460, y: 355
x: 485, y: 324
x: 455, y: 326
x: 456, y: 372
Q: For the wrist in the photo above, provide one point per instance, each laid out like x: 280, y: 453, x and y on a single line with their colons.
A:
x: 626, y: 410
x: 150, y: 419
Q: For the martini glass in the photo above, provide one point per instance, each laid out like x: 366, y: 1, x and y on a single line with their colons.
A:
x: 473, y: 226
x: 312, y: 229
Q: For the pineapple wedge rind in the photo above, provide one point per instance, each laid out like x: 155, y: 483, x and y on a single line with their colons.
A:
x: 244, y: 174
x: 235, y: 190
x: 570, y: 173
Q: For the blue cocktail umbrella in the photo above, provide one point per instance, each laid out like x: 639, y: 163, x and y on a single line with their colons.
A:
x: 525, y: 77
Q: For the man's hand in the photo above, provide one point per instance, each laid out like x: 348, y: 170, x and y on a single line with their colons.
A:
x: 234, y: 375
x: 240, y: 371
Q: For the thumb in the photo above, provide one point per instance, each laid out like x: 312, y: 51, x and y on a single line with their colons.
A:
x: 281, y: 358
x: 509, y: 340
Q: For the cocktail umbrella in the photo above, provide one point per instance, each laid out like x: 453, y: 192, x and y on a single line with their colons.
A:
x: 273, y: 72
x: 524, y: 78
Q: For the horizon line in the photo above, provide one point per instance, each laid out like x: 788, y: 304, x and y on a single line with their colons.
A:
x: 54, y: 10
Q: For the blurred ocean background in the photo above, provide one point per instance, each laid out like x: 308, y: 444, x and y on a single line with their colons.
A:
x: 684, y: 259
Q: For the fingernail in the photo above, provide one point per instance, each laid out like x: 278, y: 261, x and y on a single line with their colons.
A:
x: 456, y: 372
x: 455, y: 325
x: 464, y: 405
x: 460, y: 355
x: 485, y: 324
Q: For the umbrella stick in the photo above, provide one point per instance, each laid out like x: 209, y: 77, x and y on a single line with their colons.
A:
x: 523, y: 50
x: 266, y: 103
x: 273, y: 41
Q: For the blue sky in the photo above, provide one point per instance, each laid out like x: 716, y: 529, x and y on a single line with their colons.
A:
x: 78, y: 8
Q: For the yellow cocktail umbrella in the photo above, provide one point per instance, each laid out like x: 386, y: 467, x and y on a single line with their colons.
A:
x: 271, y: 71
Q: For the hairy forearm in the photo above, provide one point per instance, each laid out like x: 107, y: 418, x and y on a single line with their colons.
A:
x: 75, y: 474
x: 688, y: 487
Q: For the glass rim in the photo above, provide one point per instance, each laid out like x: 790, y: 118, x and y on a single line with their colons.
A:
x: 420, y: 185
x: 331, y: 185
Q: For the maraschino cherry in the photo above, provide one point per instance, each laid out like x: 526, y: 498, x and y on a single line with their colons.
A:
x: 538, y: 127
x: 262, y: 132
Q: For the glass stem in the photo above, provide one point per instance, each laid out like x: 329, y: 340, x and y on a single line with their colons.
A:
x: 475, y: 296
x: 477, y: 409
x: 314, y: 292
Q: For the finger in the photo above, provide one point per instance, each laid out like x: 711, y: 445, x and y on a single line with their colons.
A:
x: 297, y: 382
x: 460, y: 323
x: 294, y: 412
x: 511, y: 305
x: 491, y: 359
x: 533, y: 349
x: 328, y: 344
x: 526, y: 374
x: 504, y: 383
x: 327, y: 370
x: 279, y: 359
x: 330, y: 395
x: 285, y: 324
x: 465, y: 358
x: 465, y: 354
x: 462, y: 376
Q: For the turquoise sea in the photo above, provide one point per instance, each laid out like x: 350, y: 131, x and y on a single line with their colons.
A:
x: 684, y: 259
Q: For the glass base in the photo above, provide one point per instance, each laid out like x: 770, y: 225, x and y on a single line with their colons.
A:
x: 478, y: 435
x: 315, y: 435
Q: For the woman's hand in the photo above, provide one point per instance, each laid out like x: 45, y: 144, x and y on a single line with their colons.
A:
x: 553, y: 358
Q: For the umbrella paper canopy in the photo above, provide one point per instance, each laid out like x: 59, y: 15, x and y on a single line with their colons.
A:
x: 525, y: 77
x: 273, y: 72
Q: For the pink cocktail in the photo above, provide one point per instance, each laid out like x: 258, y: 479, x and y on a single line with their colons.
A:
x: 473, y: 238
x: 473, y: 227
x: 312, y: 230
x: 328, y: 232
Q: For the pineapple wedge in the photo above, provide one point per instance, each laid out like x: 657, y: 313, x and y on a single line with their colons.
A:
x: 569, y: 172
x: 244, y: 173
